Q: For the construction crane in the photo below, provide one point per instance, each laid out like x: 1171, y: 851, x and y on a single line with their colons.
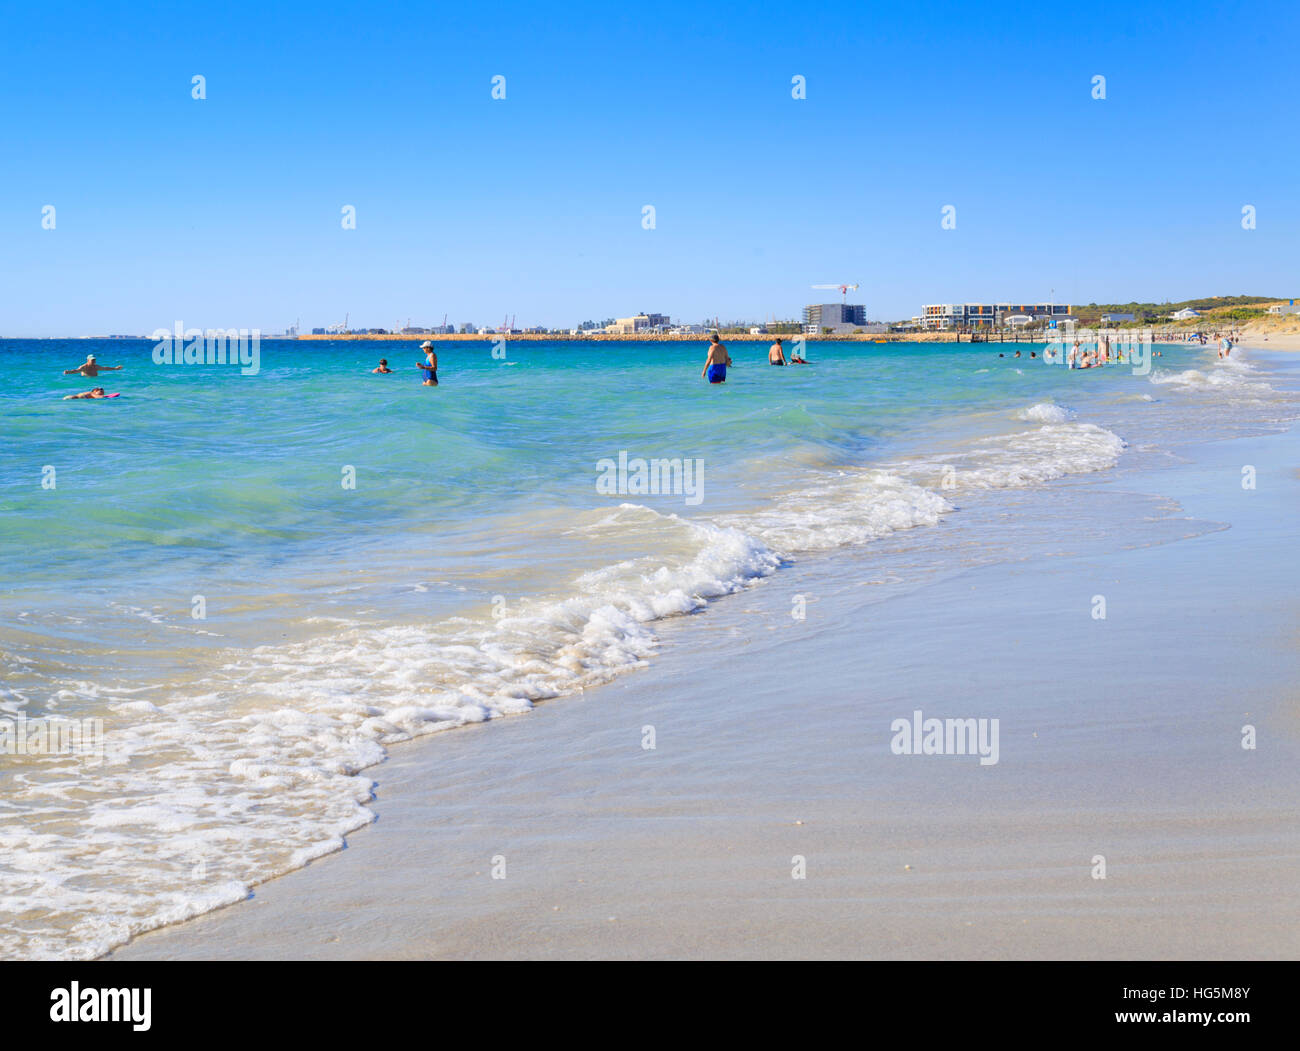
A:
x: 844, y: 290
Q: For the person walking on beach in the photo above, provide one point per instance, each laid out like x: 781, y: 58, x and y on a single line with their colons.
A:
x: 775, y: 353
x: 91, y: 368
x: 715, y: 365
x: 430, y: 365
x: 382, y: 367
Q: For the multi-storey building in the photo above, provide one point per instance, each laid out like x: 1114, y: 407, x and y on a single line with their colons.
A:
x: 986, y: 315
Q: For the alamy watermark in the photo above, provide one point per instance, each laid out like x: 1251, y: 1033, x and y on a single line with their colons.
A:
x: 1082, y: 348
x: 213, y: 346
x: 52, y: 736
x: 654, y: 477
x: 921, y: 736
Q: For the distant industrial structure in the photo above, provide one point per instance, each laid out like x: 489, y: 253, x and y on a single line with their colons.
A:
x: 986, y: 315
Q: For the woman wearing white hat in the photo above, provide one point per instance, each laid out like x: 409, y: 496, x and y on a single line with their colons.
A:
x: 430, y: 365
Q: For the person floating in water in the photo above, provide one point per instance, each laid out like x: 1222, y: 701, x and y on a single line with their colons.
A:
x: 91, y: 369
x: 715, y: 365
x: 430, y: 364
x: 382, y: 367
x: 775, y: 353
x: 95, y: 392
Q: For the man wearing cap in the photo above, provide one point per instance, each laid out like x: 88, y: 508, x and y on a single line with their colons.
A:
x: 90, y: 368
x: 430, y: 365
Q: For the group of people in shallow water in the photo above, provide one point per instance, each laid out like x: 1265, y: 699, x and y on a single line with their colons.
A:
x: 1078, y: 357
x: 718, y: 360
x: 429, y: 366
x: 90, y: 368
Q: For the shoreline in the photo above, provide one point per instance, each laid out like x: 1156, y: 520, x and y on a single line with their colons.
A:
x: 685, y: 851
x: 1254, y: 333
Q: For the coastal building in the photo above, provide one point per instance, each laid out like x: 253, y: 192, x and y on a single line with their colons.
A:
x: 987, y: 315
x: 1284, y: 308
x: 1113, y: 319
x: 829, y: 317
x: 1186, y: 314
x: 644, y: 322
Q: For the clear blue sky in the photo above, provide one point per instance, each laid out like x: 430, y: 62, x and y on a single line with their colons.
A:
x: 226, y: 212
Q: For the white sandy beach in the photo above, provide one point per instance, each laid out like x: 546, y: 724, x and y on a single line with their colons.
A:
x: 1120, y: 738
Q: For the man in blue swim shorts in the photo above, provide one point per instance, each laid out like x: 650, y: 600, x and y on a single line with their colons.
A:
x: 715, y: 365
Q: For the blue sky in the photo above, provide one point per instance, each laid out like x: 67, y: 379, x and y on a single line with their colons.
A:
x: 225, y: 212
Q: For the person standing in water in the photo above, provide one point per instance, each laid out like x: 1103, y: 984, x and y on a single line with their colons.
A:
x: 382, y: 367
x: 91, y: 369
x: 715, y: 365
x: 430, y: 365
x: 775, y: 353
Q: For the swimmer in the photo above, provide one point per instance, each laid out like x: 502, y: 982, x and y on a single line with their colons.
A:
x: 715, y: 365
x: 96, y: 392
x: 430, y: 364
x: 91, y: 369
x: 775, y: 353
x: 382, y: 367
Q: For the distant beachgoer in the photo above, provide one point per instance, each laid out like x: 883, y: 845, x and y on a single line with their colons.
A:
x: 383, y: 366
x: 1017, y: 354
x: 775, y: 353
x: 95, y: 392
x: 1032, y: 354
x: 91, y: 368
x: 430, y: 364
x: 1072, y: 358
x: 715, y: 365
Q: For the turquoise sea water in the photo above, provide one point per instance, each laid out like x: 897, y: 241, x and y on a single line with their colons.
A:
x: 474, y: 569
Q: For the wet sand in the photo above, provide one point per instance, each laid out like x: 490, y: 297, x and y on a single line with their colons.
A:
x: 1119, y: 738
